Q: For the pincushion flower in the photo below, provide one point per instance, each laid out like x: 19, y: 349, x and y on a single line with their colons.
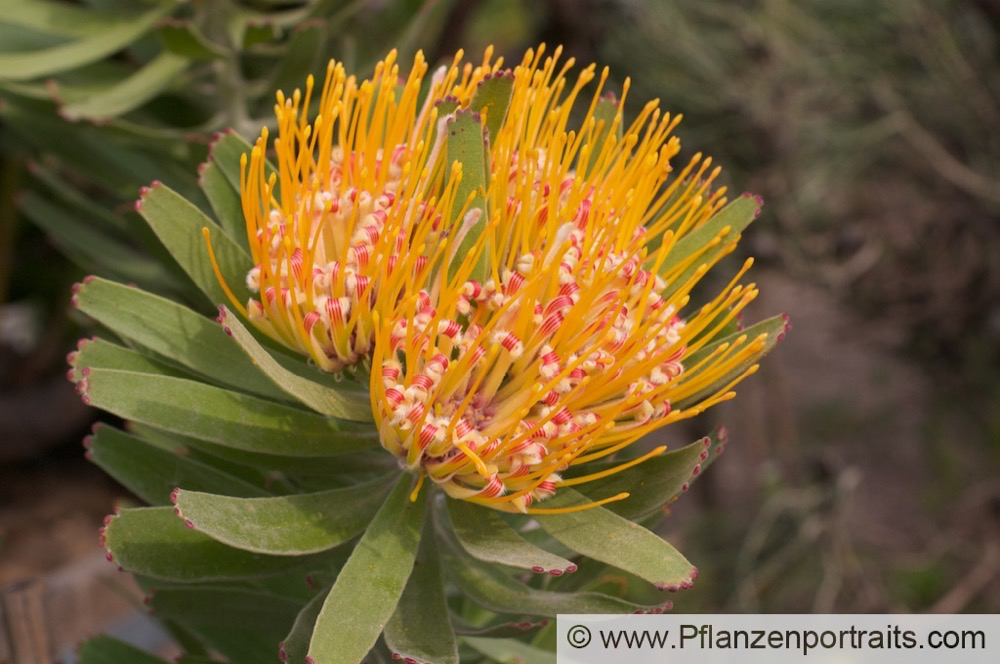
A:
x: 517, y: 281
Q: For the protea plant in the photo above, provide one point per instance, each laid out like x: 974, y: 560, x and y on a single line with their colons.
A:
x: 450, y: 306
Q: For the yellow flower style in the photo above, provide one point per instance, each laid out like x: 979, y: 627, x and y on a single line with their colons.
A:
x: 509, y: 259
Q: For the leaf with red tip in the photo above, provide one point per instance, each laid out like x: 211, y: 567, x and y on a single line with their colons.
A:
x: 192, y: 408
x: 466, y: 144
x: 177, y: 223
x: 173, y: 331
x: 507, y: 650
x: 227, y: 150
x: 489, y: 587
x: 419, y: 629
x: 100, y: 354
x: 295, y: 646
x: 284, y: 525
x: 153, y: 542
x: 487, y: 537
x: 770, y: 330
x: 733, y: 218
x: 603, y: 535
x: 651, y: 484
x: 492, y: 99
x: 370, y: 584
x: 152, y: 473
x: 225, y: 202
x: 344, y: 403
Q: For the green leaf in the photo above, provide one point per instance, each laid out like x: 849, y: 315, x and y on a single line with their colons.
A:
x: 99, y: 43
x: 243, y: 625
x: 771, y: 330
x: 227, y: 151
x: 606, y: 112
x: 179, y: 223
x: 285, y: 525
x: 131, y: 93
x: 365, y: 464
x: 487, y: 537
x: 508, y: 651
x: 466, y: 144
x: 492, y: 97
x: 651, y: 484
x: 306, y: 49
x: 345, y: 404
x: 151, y: 472
x: 295, y: 646
x: 732, y: 219
x: 603, y: 535
x: 173, y: 331
x: 419, y: 629
x: 107, y: 650
x: 186, y: 39
x: 89, y: 247
x: 153, y: 542
x: 56, y: 18
x: 369, y: 586
x: 488, y: 586
x: 100, y: 354
x: 225, y: 202
x: 220, y: 416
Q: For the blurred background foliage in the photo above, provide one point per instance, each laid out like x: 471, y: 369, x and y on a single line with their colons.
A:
x: 864, y: 469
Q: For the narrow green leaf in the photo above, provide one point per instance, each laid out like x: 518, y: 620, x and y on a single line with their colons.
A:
x: 285, y: 525
x: 652, y: 484
x: 108, y: 650
x: 345, y: 404
x: 243, y: 625
x: 178, y: 223
x: 466, y: 144
x: 606, y: 112
x: 226, y: 152
x: 153, y: 542
x: 89, y: 247
x: 173, y: 331
x: 365, y: 464
x: 771, y: 330
x: 419, y: 629
x: 225, y: 202
x: 186, y: 39
x: 487, y: 537
x: 159, y: 74
x: 220, y: 416
x: 57, y: 18
x: 100, y: 354
x: 492, y: 98
x: 91, y: 48
x: 507, y: 629
x: 151, y: 472
x: 733, y: 219
x: 369, y: 586
x: 506, y: 650
x: 295, y: 646
x: 488, y: 586
x: 306, y: 48
x: 603, y: 535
